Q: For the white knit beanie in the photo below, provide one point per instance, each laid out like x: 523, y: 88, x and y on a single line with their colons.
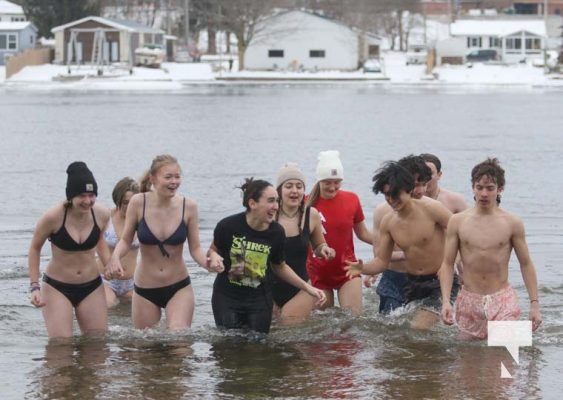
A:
x: 289, y: 171
x: 329, y: 166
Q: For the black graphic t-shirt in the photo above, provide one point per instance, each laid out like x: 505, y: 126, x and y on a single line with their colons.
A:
x: 247, y: 254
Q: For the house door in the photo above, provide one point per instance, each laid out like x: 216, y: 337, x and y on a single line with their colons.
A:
x: 373, y: 51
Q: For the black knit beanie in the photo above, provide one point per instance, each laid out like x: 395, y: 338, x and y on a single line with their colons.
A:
x: 80, y: 180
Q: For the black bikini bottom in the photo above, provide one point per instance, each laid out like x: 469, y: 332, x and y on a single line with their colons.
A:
x: 162, y: 295
x: 74, y: 292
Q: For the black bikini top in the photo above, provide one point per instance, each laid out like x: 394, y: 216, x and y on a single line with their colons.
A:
x: 145, y: 235
x: 64, y: 241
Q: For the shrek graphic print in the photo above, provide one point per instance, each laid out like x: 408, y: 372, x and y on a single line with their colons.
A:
x: 249, y: 261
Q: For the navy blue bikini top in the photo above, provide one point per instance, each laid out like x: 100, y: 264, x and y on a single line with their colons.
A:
x: 145, y: 235
x: 64, y: 241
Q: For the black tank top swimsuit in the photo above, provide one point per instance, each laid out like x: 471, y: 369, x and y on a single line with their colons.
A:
x: 296, y: 249
x: 145, y: 235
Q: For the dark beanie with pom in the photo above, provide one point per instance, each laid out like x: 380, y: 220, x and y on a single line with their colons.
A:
x: 80, y: 180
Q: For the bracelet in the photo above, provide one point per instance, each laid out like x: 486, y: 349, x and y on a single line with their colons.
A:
x: 34, y: 288
x: 536, y: 300
x: 34, y: 283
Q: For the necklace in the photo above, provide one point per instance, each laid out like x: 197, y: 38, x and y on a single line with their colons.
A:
x: 290, y: 216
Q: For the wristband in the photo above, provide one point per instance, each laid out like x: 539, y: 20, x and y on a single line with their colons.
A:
x: 34, y: 288
x: 536, y: 300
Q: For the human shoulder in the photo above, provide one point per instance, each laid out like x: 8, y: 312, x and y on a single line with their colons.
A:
x: 454, y: 201
x: 102, y: 214
x: 380, y: 211
x: 54, y: 215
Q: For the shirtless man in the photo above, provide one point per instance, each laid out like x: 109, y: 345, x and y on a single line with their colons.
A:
x: 417, y: 226
x: 393, y: 280
x: 455, y: 202
x: 485, y: 236
x: 451, y: 200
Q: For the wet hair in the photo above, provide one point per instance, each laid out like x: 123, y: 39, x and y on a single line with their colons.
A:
x: 157, y: 163
x: 396, y: 176
x: 416, y: 165
x: 252, y: 189
x: 431, y: 158
x: 123, y: 186
x: 491, y: 169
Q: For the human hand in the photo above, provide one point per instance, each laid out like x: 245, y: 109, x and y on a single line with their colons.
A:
x: 535, y: 315
x: 328, y: 253
x: 35, y: 298
x: 370, y: 280
x: 447, y: 314
x: 215, y: 263
x: 113, y: 269
x: 354, y: 268
x: 319, y: 294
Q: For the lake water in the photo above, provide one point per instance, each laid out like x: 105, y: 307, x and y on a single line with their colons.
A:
x: 223, y: 133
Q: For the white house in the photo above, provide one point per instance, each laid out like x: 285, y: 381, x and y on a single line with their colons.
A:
x: 10, y: 12
x: 515, y: 40
x: 16, y: 37
x: 298, y: 40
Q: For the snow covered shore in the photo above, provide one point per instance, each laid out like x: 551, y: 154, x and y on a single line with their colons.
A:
x: 173, y: 76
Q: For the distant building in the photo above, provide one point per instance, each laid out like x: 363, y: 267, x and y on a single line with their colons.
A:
x: 121, y: 39
x: 16, y: 37
x: 515, y: 39
x: 298, y: 40
x: 10, y: 12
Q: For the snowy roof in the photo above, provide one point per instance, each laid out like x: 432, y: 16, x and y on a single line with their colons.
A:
x: 15, y: 26
x: 10, y: 8
x: 119, y: 24
x: 495, y: 27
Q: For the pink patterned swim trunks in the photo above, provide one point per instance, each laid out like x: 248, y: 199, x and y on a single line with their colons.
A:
x: 473, y: 311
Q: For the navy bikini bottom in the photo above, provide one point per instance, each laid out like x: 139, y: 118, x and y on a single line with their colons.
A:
x: 162, y: 295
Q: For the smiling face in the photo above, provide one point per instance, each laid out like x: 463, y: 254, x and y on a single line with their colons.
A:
x: 486, y: 191
x: 84, y: 201
x: 167, y: 179
x: 419, y: 188
x: 397, y: 203
x: 265, y: 208
x: 329, y: 188
x: 292, y: 193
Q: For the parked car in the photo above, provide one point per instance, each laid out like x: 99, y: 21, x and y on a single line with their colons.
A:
x: 416, y: 54
x: 482, y: 55
x: 371, y: 65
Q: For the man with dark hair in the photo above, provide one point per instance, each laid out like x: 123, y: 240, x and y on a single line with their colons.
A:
x: 393, y: 280
x: 417, y: 227
x: 451, y: 200
x: 485, y: 236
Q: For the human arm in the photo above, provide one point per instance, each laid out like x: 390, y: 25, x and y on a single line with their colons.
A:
x: 214, y: 261
x: 113, y: 266
x: 43, y: 228
x: 318, y: 242
x: 194, y: 245
x: 528, y: 271
x: 446, y: 271
x: 285, y: 272
x: 380, y: 262
x: 363, y: 233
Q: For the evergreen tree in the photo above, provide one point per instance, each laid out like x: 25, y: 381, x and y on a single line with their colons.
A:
x: 46, y: 14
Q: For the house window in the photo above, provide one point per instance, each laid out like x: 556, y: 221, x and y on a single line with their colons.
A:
x: 533, y: 44
x: 513, y: 43
x: 317, y: 53
x: 275, y: 53
x: 8, y: 42
x: 473, y: 41
x: 494, y: 42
